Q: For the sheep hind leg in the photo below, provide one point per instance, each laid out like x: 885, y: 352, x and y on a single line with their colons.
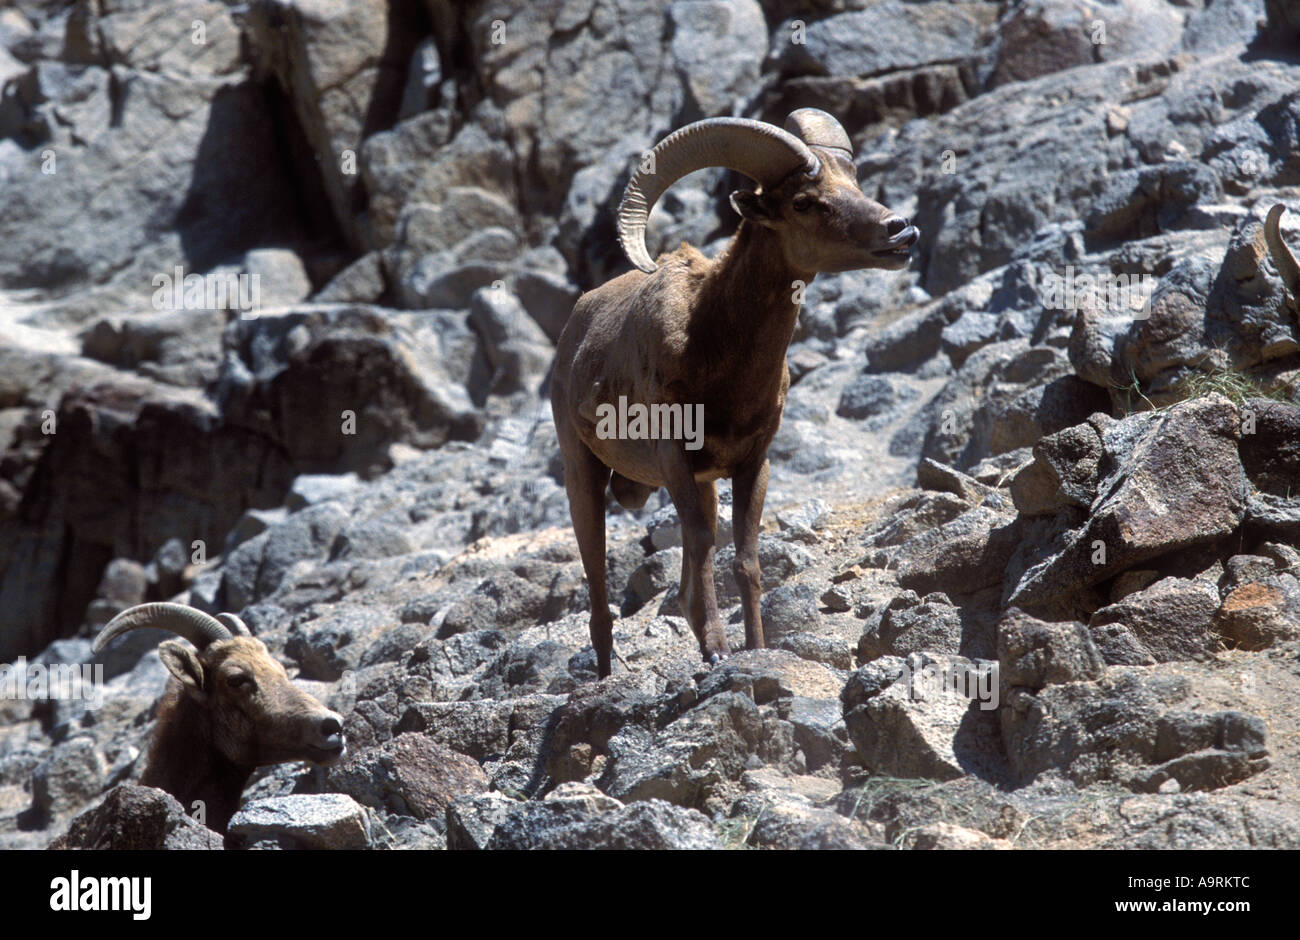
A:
x: 585, y: 478
x: 748, y: 490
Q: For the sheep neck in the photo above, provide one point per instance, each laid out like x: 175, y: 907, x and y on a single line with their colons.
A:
x: 185, y: 762
x: 750, y: 303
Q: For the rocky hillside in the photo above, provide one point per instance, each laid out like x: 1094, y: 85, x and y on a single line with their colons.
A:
x: 992, y: 464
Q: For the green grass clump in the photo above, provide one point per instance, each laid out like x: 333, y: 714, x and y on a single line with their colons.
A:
x: 1232, y: 384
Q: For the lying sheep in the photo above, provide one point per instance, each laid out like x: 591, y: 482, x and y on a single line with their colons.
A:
x: 228, y: 709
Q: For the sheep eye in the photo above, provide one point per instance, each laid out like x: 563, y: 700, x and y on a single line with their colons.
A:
x: 239, y: 681
x: 802, y: 203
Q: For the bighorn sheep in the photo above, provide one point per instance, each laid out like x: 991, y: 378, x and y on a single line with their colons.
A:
x: 1283, y: 260
x: 228, y: 709
x: 691, y: 332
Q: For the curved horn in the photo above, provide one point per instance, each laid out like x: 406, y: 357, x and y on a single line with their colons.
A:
x: 194, y: 625
x: 761, y: 151
x: 235, y: 625
x: 1283, y: 260
x: 816, y: 128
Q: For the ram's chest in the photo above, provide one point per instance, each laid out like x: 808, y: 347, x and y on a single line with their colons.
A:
x: 738, y: 426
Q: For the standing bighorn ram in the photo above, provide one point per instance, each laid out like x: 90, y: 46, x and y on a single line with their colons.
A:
x: 693, y: 332
x: 228, y: 709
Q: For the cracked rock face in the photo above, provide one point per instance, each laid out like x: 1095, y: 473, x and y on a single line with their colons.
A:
x: 278, y: 312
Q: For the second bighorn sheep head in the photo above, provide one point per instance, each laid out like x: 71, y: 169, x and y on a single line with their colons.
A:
x: 230, y: 707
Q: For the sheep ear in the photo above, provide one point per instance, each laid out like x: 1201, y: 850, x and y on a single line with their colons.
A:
x: 183, y: 663
x: 749, y: 206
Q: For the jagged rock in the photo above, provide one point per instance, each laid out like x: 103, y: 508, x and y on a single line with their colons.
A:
x: 1168, y: 621
x: 916, y: 515
x: 926, y: 34
x: 569, y: 101
x: 693, y: 761
x: 804, y: 829
x: 657, y: 573
x: 73, y: 772
x: 411, y: 775
x: 397, y: 171
x: 424, y: 229
x: 179, y: 347
x: 790, y: 608
x: 342, y: 67
x: 910, y: 340
x: 1273, y: 516
x: 330, y: 645
x: 1064, y: 471
x: 397, y: 385
x: 867, y: 397
x: 1270, y: 445
x: 133, y: 817
x: 503, y: 600
x: 909, y: 624
x: 932, y: 475
x: 317, y: 821
x: 831, y: 651
x: 1128, y: 727
x: 718, y: 47
x: 482, y: 729
x: 190, y: 200
x: 948, y: 836
x: 472, y: 820
x: 1202, y: 316
x: 1172, y: 480
x: 136, y: 38
x: 517, y: 350
x: 1038, y: 37
x: 1149, y: 199
x: 256, y: 567
x: 548, y: 297
x: 361, y: 282
x: 1005, y: 396
x: 970, y: 552
x: 576, y: 816
x: 1033, y: 654
x: 906, y: 720
x: 968, y: 333
x: 1260, y: 612
x: 802, y: 522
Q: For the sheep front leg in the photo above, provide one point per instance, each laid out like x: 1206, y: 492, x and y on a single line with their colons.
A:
x: 697, y: 509
x: 748, y: 490
x: 695, y: 601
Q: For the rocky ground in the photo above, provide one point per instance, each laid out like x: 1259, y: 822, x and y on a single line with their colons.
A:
x: 1102, y: 502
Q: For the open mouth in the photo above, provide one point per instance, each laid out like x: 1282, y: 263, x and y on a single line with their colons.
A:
x: 901, y: 254
x: 329, y: 755
x: 900, y: 248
